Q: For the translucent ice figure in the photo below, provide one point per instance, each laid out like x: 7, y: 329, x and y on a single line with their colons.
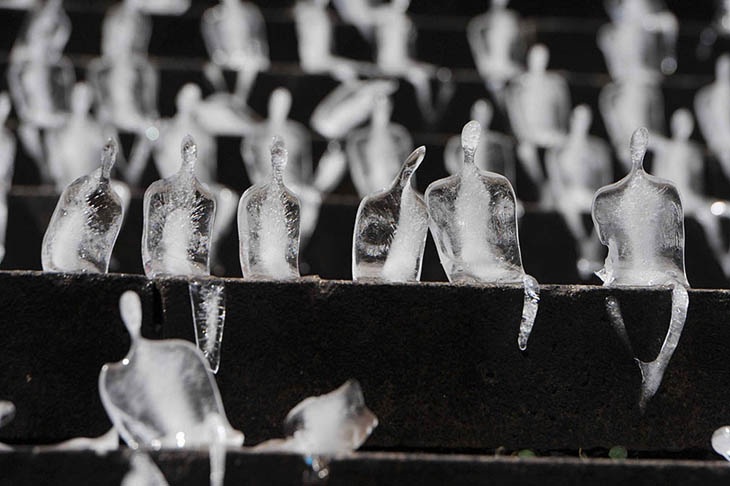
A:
x: 495, y: 151
x: 390, y: 230
x: 327, y: 425
x: 235, y: 36
x: 394, y: 38
x: 712, y: 107
x: 641, y: 221
x: 375, y: 152
x: 179, y: 213
x: 143, y: 472
x: 497, y: 45
x: 162, y: 395
x: 627, y: 105
x: 576, y: 169
x: 85, y: 223
x: 47, y: 25
x: 208, y: 303
x: 7, y: 165
x: 640, y: 40
x: 268, y: 224
x: 474, y: 224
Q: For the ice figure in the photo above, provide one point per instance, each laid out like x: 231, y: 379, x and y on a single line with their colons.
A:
x: 268, y: 224
x: 85, y: 223
x: 179, y: 213
x: 641, y: 221
x: 629, y: 104
x: 394, y: 38
x: 495, y: 150
x: 327, y: 425
x: 143, y: 472
x: 576, y: 169
x: 375, y: 152
x: 497, y: 45
x: 48, y: 25
x: 390, y: 230
x: 162, y: 395
x: 208, y: 303
x: 348, y: 105
x: 712, y: 106
x: 474, y: 224
x: 639, y: 42
x: 7, y: 165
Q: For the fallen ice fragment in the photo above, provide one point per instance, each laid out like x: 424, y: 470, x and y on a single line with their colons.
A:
x: 721, y: 441
x: 208, y: 302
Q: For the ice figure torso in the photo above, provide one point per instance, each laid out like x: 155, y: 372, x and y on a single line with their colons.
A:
x: 496, y: 44
x: 314, y: 34
x: 235, y: 35
x: 41, y: 89
x: 394, y: 33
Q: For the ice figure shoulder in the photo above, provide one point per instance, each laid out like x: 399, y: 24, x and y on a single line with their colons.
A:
x: 390, y: 229
x: 179, y: 213
x: 268, y: 224
x: 640, y: 219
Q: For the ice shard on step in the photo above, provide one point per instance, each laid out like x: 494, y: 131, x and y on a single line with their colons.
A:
x: 85, y: 223
x: 390, y: 230
x: 640, y: 219
x: 474, y: 224
x: 208, y: 304
x: 268, y: 224
x: 179, y: 213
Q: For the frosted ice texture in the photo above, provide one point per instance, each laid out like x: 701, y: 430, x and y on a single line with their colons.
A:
x: 143, y: 472
x: 474, y: 224
x: 85, y: 223
x: 721, y: 441
x: 7, y: 166
x: 375, y: 153
x: 640, y: 219
x: 268, y: 224
x: 208, y: 303
x: 390, y: 230
x: 179, y: 214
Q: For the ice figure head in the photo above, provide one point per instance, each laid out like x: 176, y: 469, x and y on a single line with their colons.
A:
x: 335, y: 423
x: 268, y: 224
x: 188, y: 98
x: 85, y: 223
x: 81, y: 99
x: 188, y: 153
x: 682, y: 124
x: 721, y: 442
x: 390, y: 230
x: 474, y: 222
x: 580, y: 120
x: 279, y: 106
x: 538, y: 58
x: 161, y: 395
x: 482, y: 112
x: 640, y: 219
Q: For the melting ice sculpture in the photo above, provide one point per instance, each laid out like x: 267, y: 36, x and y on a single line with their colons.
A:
x: 628, y: 104
x: 268, y: 224
x: 7, y: 164
x: 576, y: 169
x: 641, y: 221
x: 375, y: 153
x: 497, y: 45
x: 639, y: 42
x: 327, y: 425
x: 474, y: 224
x: 390, y: 230
x: 712, y: 107
x: 208, y: 304
x: 85, y: 223
x: 162, y: 395
x: 179, y: 213
x: 495, y: 150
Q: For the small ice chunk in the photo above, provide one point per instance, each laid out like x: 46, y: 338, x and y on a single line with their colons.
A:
x: 208, y: 302
x: 143, y: 472
x: 268, y: 224
x: 390, y: 230
x: 474, y: 223
x: 721, y: 441
x: 179, y: 213
x: 85, y: 223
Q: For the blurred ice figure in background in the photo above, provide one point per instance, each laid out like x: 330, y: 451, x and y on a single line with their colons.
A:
x: 165, y: 7
x: 576, y: 169
x: 538, y: 105
x: 235, y: 37
x: 640, y: 220
x: 7, y: 166
x: 376, y: 153
x: 357, y: 13
x: 497, y: 45
x: 639, y: 43
x: 712, y: 107
x: 18, y: 4
x: 40, y: 78
x: 628, y: 104
x: 86, y: 222
x: 309, y: 185
x: 474, y: 224
x: 495, y: 152
x: 395, y: 37
x: 681, y: 161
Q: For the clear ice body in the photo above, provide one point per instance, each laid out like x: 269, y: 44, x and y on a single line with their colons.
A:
x: 268, y: 225
x: 179, y: 214
x: 390, y: 230
x: 86, y: 222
